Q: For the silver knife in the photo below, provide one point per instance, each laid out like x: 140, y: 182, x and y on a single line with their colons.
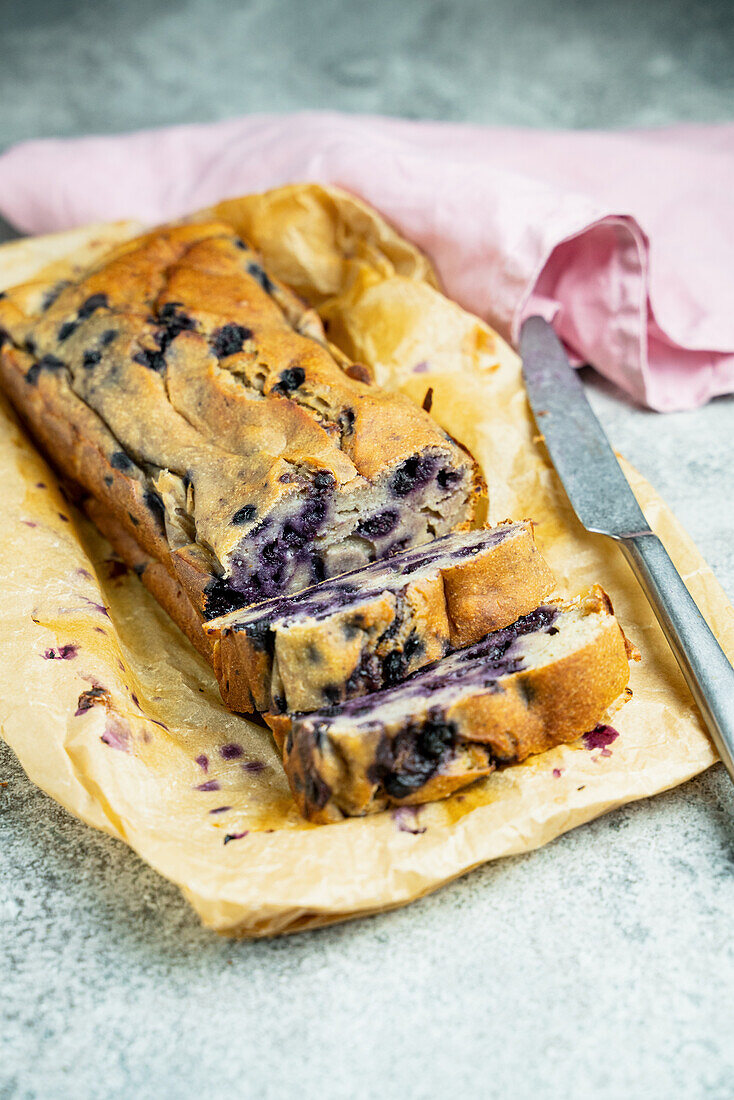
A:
x: 605, y: 504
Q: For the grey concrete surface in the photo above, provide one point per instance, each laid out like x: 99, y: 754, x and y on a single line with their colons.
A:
x: 76, y: 66
x: 599, y: 967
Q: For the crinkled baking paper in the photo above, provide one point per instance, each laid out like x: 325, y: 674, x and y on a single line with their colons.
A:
x: 111, y: 711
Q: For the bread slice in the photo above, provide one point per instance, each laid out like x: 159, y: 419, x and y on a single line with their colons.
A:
x: 544, y: 680
x: 199, y: 401
x: 372, y: 627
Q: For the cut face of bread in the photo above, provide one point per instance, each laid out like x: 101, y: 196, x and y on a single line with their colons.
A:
x: 370, y: 628
x: 200, y: 402
x: 544, y: 680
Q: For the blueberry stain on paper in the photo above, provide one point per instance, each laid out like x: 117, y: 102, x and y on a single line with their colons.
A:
x: 61, y: 653
x: 117, y: 734
x: 236, y: 836
x: 90, y: 698
x: 231, y: 752
x: 601, y: 737
x: 406, y: 819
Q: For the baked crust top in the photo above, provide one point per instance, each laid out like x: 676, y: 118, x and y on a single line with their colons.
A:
x: 196, y: 373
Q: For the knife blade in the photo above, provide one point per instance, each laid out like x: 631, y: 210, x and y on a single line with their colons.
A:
x: 605, y: 504
x: 592, y: 477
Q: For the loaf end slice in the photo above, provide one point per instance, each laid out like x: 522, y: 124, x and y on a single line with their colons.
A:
x: 543, y: 681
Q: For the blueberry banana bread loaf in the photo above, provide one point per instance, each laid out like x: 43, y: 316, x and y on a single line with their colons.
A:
x: 542, y: 681
x: 198, y: 400
x: 372, y: 627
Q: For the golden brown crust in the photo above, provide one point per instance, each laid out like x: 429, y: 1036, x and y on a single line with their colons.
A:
x: 488, y: 592
x: 160, y: 583
x: 62, y: 425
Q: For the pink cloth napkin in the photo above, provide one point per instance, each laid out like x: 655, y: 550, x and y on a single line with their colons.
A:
x: 624, y: 240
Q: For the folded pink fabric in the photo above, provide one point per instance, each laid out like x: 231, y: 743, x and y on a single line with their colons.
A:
x: 624, y: 240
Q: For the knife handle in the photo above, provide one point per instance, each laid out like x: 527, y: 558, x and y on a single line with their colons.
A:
x: 703, y: 662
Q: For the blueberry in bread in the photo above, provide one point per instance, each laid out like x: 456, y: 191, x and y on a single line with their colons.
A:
x: 544, y: 680
x: 200, y: 403
x: 370, y: 628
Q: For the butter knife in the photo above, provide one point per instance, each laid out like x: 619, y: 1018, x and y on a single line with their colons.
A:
x: 605, y: 504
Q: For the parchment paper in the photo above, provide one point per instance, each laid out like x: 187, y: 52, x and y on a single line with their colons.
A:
x: 112, y: 712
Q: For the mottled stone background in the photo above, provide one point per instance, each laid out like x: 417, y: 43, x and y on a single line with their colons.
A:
x: 599, y: 967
